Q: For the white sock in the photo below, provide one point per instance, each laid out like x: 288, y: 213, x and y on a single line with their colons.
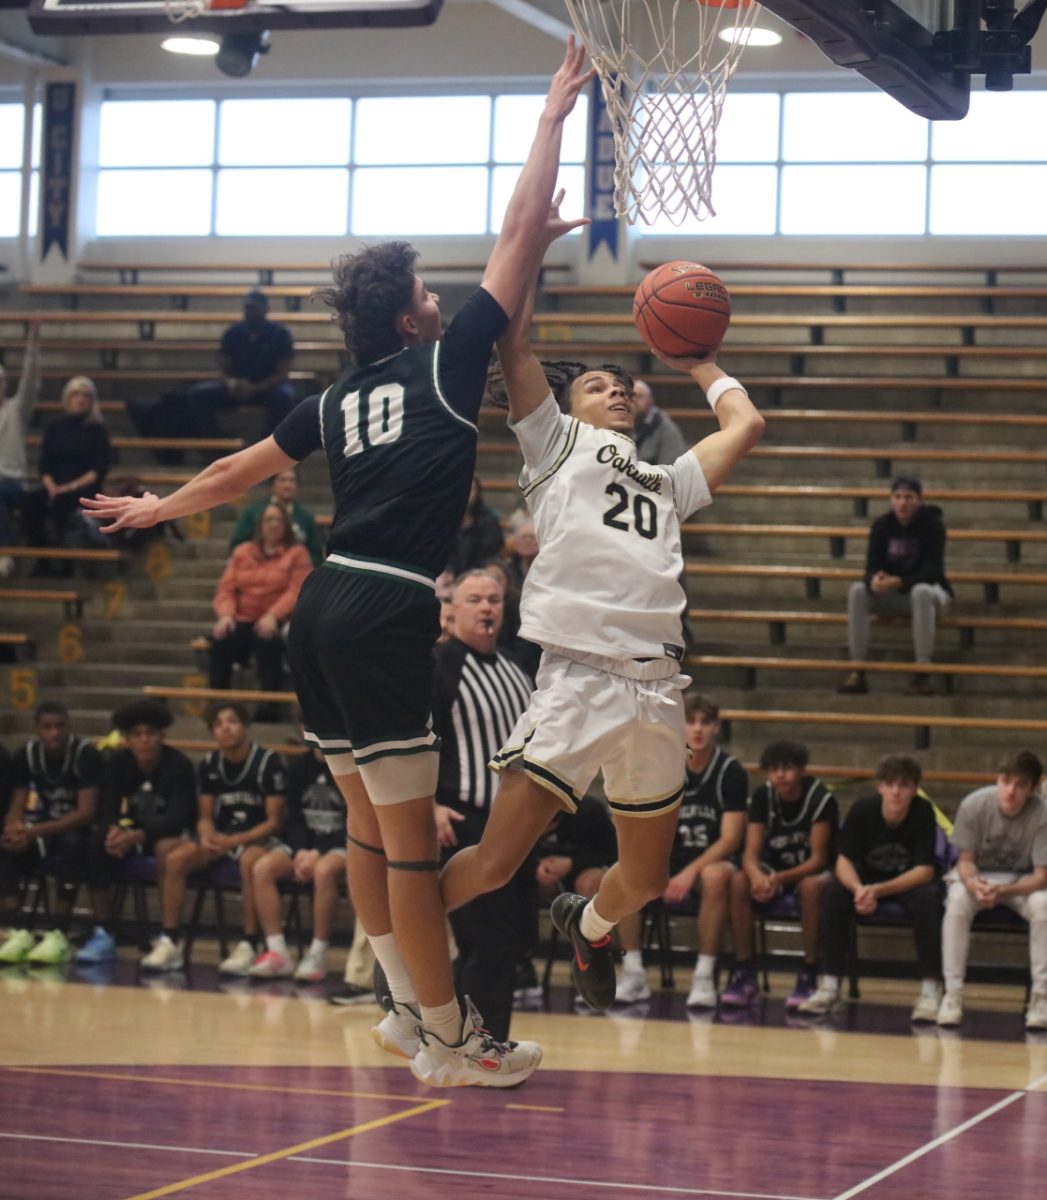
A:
x: 277, y: 943
x: 592, y: 926
x: 633, y: 961
x: 398, y: 977
x: 930, y: 987
x: 445, y: 1021
x: 831, y: 983
x: 318, y: 946
x: 705, y: 967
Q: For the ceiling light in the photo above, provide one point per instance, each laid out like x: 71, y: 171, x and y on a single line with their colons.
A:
x: 203, y: 46
x: 752, y: 37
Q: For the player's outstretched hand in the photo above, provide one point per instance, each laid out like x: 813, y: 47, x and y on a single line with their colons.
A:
x: 568, y: 81
x: 555, y: 225
x: 122, y: 512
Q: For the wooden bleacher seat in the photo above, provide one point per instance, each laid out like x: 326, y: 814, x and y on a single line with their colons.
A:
x: 866, y: 416
x: 1033, y: 498
x: 838, y: 534
x: 159, y: 374
x: 778, y: 619
x: 228, y: 445
x: 876, y: 383
x: 837, y: 270
x: 922, y: 723
x: 71, y: 601
x: 813, y: 576
x: 263, y: 273
x: 818, y: 321
x: 247, y: 695
x: 750, y: 664
x: 67, y: 555
x: 834, y: 291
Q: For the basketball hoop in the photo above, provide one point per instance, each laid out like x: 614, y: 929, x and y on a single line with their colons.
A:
x: 664, y: 71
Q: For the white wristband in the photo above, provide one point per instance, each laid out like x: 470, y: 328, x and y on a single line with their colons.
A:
x: 724, y: 384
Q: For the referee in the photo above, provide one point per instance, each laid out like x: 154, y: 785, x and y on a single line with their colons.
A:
x: 480, y: 694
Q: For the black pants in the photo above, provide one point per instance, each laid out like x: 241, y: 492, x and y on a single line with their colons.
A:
x: 922, y: 905
x: 237, y: 647
x: 206, y: 400
x: 65, y: 857
x: 45, y: 520
x: 492, y: 933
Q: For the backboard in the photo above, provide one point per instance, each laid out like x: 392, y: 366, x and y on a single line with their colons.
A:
x: 66, y: 18
x: 922, y: 52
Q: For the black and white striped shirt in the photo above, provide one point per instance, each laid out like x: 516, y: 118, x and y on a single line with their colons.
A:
x: 478, y: 699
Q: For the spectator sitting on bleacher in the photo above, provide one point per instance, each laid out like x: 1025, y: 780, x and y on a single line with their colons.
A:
x: 240, y: 812
x: 479, y: 535
x: 1001, y: 836
x: 573, y: 855
x: 658, y: 438
x: 54, y: 779
x: 15, y: 412
x: 283, y: 493
x: 148, y: 806
x: 788, y: 851
x: 312, y: 851
x: 707, y: 845
x: 904, y: 576
x: 255, y: 357
x: 886, y: 852
x: 74, y: 461
x: 254, y: 599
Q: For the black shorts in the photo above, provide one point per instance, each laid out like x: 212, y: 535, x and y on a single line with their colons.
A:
x: 360, y: 648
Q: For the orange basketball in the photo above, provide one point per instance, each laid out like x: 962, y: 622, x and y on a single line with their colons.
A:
x: 682, y: 309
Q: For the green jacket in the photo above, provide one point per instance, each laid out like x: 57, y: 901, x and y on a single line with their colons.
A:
x: 305, y: 529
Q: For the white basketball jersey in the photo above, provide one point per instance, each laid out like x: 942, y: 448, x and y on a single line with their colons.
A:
x: 606, y: 579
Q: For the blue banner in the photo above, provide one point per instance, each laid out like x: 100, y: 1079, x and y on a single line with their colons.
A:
x: 604, y: 228
x: 56, y: 184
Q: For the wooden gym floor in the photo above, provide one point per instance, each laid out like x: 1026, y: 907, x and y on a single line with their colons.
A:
x: 115, y: 1087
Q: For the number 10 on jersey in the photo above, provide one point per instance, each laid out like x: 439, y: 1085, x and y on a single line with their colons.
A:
x: 373, y: 418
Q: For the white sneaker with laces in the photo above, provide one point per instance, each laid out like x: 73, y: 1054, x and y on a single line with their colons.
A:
x: 268, y: 965
x: 398, y: 1031
x: 925, y: 1010
x: 240, y: 961
x: 950, y: 1011
x: 632, y: 988
x: 477, y: 1060
x: 312, y: 967
x: 1036, y: 1013
x: 702, y: 993
x: 165, y: 955
x: 824, y: 1000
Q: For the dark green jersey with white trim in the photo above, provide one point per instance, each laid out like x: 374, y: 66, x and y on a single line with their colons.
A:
x: 400, y: 438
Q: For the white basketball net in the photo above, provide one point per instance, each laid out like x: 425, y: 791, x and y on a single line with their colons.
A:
x: 184, y: 10
x: 664, y: 71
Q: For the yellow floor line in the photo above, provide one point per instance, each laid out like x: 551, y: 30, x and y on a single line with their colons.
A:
x: 184, y: 1185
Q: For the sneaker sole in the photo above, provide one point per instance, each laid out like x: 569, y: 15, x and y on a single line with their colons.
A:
x: 391, y: 1046
x: 449, y: 1075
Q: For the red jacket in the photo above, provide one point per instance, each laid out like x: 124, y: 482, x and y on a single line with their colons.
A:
x: 253, y: 585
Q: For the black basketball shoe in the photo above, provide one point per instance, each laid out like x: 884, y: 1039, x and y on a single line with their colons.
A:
x: 592, y: 966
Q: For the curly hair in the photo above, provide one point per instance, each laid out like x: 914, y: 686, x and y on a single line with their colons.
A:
x: 560, y: 373
x: 370, y: 291
x: 152, y: 713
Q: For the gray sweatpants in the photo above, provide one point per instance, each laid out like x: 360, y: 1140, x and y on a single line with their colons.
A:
x: 960, y: 910
x: 923, y: 603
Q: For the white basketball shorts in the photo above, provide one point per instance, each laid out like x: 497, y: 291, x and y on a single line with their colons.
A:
x: 582, y: 719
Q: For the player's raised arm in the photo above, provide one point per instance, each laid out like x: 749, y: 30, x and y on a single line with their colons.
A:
x: 507, y: 273
x: 741, y: 425
x: 224, y: 480
x: 525, y: 378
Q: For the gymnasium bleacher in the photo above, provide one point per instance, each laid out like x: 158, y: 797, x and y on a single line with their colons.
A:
x: 874, y: 375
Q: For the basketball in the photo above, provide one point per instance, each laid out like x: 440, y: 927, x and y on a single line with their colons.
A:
x: 682, y: 309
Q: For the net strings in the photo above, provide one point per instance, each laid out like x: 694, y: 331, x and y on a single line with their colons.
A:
x: 664, y: 102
